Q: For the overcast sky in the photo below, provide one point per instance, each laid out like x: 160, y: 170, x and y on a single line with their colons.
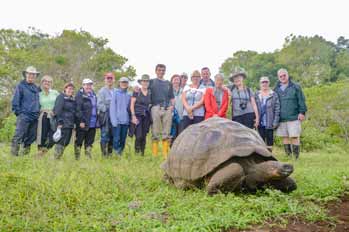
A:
x: 183, y: 34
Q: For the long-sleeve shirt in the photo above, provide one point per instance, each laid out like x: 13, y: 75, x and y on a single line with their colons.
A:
x: 119, y: 108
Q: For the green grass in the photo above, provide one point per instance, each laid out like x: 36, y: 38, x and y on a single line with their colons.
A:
x: 128, y: 194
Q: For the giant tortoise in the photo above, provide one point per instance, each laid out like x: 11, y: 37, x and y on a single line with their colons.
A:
x: 224, y: 156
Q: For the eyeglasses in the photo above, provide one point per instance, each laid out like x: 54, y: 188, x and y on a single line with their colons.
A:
x: 109, y: 78
x: 284, y: 75
x: 264, y: 82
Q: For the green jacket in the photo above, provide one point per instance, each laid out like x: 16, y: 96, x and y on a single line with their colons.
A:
x: 292, y: 101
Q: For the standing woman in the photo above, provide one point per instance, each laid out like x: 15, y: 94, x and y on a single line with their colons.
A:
x: 64, y: 111
x: 140, y: 110
x: 176, y: 81
x: 216, y: 99
x: 47, y: 98
x: 193, y: 102
x: 244, y: 108
x: 268, y: 105
x: 86, y: 118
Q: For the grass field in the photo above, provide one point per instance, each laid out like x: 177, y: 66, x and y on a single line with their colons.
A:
x: 127, y: 194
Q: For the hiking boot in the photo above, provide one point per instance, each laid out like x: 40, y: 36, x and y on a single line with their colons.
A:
x: 41, y: 151
x: 59, y: 149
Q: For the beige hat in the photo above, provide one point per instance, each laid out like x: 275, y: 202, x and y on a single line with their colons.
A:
x: 145, y: 77
x: 30, y: 69
x: 238, y: 72
x: 262, y: 79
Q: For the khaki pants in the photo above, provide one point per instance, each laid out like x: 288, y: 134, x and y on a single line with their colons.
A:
x: 162, y: 121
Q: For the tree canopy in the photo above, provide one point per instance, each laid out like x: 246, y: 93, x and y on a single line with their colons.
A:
x: 69, y: 56
x: 309, y: 60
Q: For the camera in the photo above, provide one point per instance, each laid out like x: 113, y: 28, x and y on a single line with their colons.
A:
x: 243, y: 105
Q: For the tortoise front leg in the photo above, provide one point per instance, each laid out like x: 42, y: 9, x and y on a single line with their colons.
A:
x: 284, y: 185
x: 227, y: 179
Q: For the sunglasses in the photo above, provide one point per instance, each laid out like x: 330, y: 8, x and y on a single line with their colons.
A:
x: 284, y: 75
x: 264, y: 82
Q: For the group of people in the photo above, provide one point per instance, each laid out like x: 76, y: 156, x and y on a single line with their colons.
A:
x: 165, y: 107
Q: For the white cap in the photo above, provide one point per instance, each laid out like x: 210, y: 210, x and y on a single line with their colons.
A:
x: 264, y: 79
x: 87, y: 81
x: 124, y: 79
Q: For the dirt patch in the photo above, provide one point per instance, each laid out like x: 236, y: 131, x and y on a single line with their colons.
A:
x: 338, y: 210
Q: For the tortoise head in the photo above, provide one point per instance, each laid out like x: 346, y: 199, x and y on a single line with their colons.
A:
x: 271, y: 170
x: 278, y: 170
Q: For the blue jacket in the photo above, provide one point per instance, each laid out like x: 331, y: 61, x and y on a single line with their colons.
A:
x: 26, y: 102
x: 120, y: 108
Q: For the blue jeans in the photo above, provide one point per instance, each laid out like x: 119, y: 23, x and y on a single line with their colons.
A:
x: 119, y: 138
x: 25, y: 131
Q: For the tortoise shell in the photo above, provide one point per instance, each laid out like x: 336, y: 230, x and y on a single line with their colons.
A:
x: 202, y: 147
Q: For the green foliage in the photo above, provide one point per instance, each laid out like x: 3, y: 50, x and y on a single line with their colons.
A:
x: 127, y: 194
x: 8, y: 128
x: 328, y: 115
x: 309, y: 60
x: 69, y: 56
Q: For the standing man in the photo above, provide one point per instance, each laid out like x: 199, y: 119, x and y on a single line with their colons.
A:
x: 26, y: 106
x: 120, y: 115
x: 293, y: 109
x: 162, y: 100
x: 103, y: 105
x: 86, y: 117
x: 206, y: 81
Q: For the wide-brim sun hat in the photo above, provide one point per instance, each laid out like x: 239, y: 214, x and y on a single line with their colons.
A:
x: 30, y: 69
x: 145, y: 77
x: 238, y: 72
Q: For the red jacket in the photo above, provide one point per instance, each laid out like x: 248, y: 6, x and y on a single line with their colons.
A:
x: 211, y: 105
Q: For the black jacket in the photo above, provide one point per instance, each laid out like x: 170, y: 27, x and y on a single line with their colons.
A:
x: 65, y: 110
x: 84, y: 109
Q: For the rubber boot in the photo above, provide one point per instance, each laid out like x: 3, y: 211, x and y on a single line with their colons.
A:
x: 110, y: 149
x: 15, y: 149
x: 59, y: 149
x: 88, y: 152
x: 288, y: 149
x: 155, y: 148
x: 77, y: 151
x: 143, y: 148
x: 25, y: 150
x: 104, y: 150
x: 296, y: 150
x: 165, y: 147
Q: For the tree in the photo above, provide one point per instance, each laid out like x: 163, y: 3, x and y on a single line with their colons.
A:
x: 69, y: 56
